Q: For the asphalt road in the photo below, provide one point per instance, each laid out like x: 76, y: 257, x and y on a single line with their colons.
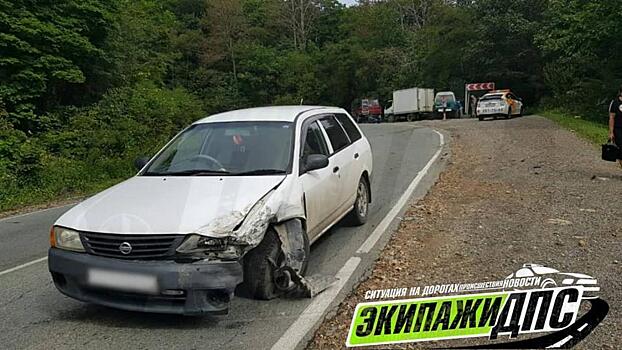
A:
x: 35, y: 315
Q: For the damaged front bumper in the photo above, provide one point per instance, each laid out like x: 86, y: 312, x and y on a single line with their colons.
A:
x: 151, y: 286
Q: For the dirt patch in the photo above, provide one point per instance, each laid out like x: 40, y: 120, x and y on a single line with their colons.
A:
x: 516, y: 191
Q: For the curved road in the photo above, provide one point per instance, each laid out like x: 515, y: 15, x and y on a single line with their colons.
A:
x: 36, y: 316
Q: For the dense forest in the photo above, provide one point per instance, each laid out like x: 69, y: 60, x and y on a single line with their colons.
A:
x: 88, y: 85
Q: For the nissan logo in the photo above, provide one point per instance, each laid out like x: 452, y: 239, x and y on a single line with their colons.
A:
x: 125, y: 248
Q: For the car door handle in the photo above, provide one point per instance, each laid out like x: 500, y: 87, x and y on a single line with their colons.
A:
x: 356, y: 156
x: 335, y: 169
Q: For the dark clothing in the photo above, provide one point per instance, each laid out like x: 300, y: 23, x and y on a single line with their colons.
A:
x: 616, y: 107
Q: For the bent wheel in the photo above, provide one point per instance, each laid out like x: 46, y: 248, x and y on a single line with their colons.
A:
x: 262, y: 265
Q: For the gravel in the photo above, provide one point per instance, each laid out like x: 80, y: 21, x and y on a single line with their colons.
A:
x: 516, y: 191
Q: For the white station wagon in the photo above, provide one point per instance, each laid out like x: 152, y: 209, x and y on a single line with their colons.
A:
x: 234, y: 200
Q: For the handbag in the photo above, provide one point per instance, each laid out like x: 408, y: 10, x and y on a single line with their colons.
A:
x: 611, y: 152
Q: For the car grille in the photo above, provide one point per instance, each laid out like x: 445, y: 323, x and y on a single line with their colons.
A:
x: 142, y: 246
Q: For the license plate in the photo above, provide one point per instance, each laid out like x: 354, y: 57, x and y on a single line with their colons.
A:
x: 122, y: 281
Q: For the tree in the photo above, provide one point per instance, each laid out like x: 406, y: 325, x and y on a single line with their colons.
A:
x: 142, y: 44
x: 50, y: 52
x: 226, y: 26
x: 300, y: 17
x: 414, y: 14
x: 580, y: 42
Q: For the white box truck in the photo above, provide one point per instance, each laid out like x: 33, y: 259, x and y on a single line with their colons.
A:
x: 410, y: 104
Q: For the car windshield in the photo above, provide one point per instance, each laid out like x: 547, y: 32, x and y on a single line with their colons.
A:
x: 490, y: 97
x: 444, y: 98
x: 228, y: 148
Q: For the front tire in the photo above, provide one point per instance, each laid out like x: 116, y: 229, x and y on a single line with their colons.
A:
x: 261, y: 264
x: 358, y: 215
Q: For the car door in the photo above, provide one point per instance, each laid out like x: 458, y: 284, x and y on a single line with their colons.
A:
x: 356, y: 152
x: 321, y: 186
x: 340, y: 160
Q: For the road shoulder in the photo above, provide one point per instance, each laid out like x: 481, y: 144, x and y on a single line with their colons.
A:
x: 517, y: 191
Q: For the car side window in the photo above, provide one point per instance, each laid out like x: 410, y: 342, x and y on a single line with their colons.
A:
x: 314, y: 142
x: 353, y: 133
x: 337, y: 136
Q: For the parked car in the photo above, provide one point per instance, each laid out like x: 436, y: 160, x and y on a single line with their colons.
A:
x: 236, y: 198
x: 446, y: 105
x: 500, y: 103
x: 367, y: 110
x: 410, y: 104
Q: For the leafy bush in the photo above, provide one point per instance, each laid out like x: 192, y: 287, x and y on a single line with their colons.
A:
x: 96, y: 147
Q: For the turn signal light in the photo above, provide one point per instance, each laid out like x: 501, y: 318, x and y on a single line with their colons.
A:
x: 52, y: 238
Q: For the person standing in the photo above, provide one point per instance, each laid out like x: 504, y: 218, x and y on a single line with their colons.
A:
x: 473, y: 106
x: 615, y: 121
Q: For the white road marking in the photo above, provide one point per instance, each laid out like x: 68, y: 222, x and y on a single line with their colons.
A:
x: 315, y: 311
x: 23, y: 265
x: 34, y: 212
x: 582, y: 327
x: 371, y: 241
x: 560, y: 343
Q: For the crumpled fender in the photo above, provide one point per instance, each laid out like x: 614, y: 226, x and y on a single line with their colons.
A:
x: 282, y: 207
x: 291, y: 234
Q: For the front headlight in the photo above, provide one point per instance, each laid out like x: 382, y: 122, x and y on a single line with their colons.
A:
x: 197, y: 246
x: 65, y: 238
x: 200, y: 244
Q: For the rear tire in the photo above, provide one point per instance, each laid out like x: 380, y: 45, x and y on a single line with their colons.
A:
x: 358, y: 215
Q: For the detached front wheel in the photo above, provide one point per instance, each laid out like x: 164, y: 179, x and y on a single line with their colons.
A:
x: 263, y: 267
x: 359, y: 213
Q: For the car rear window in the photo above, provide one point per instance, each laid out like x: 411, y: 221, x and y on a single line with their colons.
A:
x: 348, y: 125
x: 491, y: 98
x: 336, y: 134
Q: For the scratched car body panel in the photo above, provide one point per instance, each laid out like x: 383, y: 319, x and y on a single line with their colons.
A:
x: 233, y: 201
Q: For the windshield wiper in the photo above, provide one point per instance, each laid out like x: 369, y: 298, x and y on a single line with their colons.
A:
x: 261, y: 172
x: 193, y: 172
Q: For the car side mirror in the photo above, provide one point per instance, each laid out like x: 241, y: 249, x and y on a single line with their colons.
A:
x: 315, y: 162
x: 140, y: 163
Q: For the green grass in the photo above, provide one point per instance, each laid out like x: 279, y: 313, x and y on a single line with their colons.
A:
x: 63, y: 179
x: 590, y: 130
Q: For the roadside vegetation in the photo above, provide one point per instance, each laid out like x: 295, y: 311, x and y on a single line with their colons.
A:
x: 594, y: 131
x: 87, y: 86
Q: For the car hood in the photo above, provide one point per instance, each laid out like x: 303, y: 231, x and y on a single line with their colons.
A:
x: 168, y: 205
